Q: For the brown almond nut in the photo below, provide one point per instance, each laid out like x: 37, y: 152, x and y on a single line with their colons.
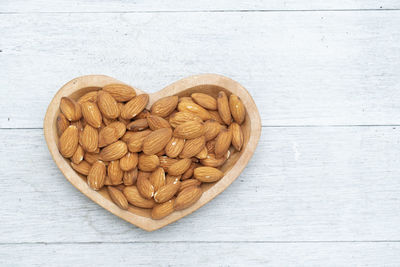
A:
x: 144, y: 174
x: 107, y: 105
x: 204, y: 100
x: 83, y: 167
x: 115, y: 172
x: 192, y: 147
x: 211, y: 129
x: 111, y: 133
x: 120, y: 187
x: 174, y: 147
x: 89, y: 139
x: 215, y: 116
x: 189, y: 172
x: 114, y: 151
x: 120, y: 92
x: 166, y: 162
x: 136, y: 139
x: 133, y: 196
x: 157, y: 178
x: 156, y: 141
x: 237, y: 109
x: 187, y: 197
x: 237, y: 136
x: 166, y: 192
x: 129, y: 161
x: 207, y: 174
x: 79, y: 125
x: 143, y: 115
x: 91, y: 96
x: 97, y: 175
x: 118, y: 197
x: 107, y: 121
x: 210, y: 145
x: 78, y: 155
x: 144, y: 186
x: 156, y: 122
x: 130, y: 177
x: 223, y: 108
x: 62, y: 124
x: 134, y: 106
x: 127, y: 136
x: 181, y: 117
x: 202, y: 154
x: 91, y: 157
x: 148, y: 163
x: 189, y: 182
x: 195, y: 109
x: 162, y: 210
x: 137, y: 125
x: 223, y: 142
x: 170, y: 178
x: 68, y: 142
x: 92, y: 114
x: 164, y: 106
x: 186, y: 99
x: 70, y: 108
x: 179, y: 167
x: 189, y: 130
x: 107, y: 180
x: 161, y: 153
x: 212, y: 161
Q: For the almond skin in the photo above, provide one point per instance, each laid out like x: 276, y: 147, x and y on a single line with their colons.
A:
x: 223, y: 108
x: 91, y: 96
x: 202, y: 154
x: 164, y: 106
x: 157, y: 178
x: 144, y: 186
x: 135, y: 141
x: 223, y: 142
x: 118, y: 197
x: 107, y: 105
x: 193, y: 147
x: 237, y: 109
x: 115, y: 172
x: 91, y: 114
x: 111, y: 133
x: 134, y: 106
x: 189, y: 182
x: 114, y: 151
x: 210, y: 145
x: 166, y: 162
x: 162, y: 210
x: 78, y: 155
x: 156, y: 122
x: 187, y: 197
x: 204, y: 100
x: 237, y: 136
x: 129, y: 161
x: 89, y: 139
x: 130, y: 177
x: 174, y: 147
x: 91, y: 157
x: 211, y: 129
x: 170, y: 178
x: 212, y: 161
x: 189, y: 130
x: 156, y: 141
x: 83, y: 167
x: 143, y: 115
x: 133, y: 196
x: 215, y: 116
x: 182, y: 117
x: 138, y: 125
x: 68, y: 142
x: 179, y: 167
x: 148, y: 163
x: 70, y: 108
x: 166, y: 192
x: 207, y: 174
x: 195, y: 109
x: 62, y: 124
x: 120, y: 92
x: 189, y: 172
x: 97, y: 175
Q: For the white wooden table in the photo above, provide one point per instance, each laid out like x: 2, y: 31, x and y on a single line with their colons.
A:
x: 323, y: 188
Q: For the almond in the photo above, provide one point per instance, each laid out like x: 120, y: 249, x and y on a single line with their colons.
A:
x: 207, y: 174
x: 92, y: 114
x: 114, y: 151
x: 186, y: 99
x: 170, y: 179
x: 164, y: 106
x: 157, y: 178
x: 237, y: 109
x: 107, y: 121
x: 143, y: 115
x: 68, y: 142
x: 91, y: 96
x: 211, y: 129
x: 189, y: 172
x: 187, y: 197
x: 179, y: 167
x: 215, y: 116
x: 97, y: 175
x: 135, y: 142
x: 62, y: 124
x: 144, y: 174
x: 166, y: 192
x: 83, y: 167
x: 166, y: 162
x: 223, y: 108
x: 107, y: 180
x: 133, y: 196
x: 134, y: 106
x: 91, y: 157
x: 79, y: 125
x: 237, y: 136
x: 115, y: 172
x: 210, y: 145
x: 148, y: 163
x: 195, y: 109
x: 70, y: 108
x: 78, y: 155
x: 212, y: 161
x: 223, y: 142
x: 189, y: 182
x: 129, y: 161
x: 144, y: 186
x: 130, y: 177
x: 206, y: 101
x: 156, y: 122
x: 202, y: 154
x: 189, y: 130
x: 156, y: 141
x: 174, y: 147
x: 118, y: 197
x: 107, y: 105
x: 137, y: 125
x: 120, y: 187
x: 120, y: 92
x: 181, y: 117
x: 162, y: 210
x: 111, y: 133
x: 89, y: 139
x: 192, y: 147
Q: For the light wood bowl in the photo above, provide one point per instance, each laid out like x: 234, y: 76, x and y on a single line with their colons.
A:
x: 207, y: 83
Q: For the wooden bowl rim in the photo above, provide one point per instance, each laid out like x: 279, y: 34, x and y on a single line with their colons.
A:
x: 146, y: 223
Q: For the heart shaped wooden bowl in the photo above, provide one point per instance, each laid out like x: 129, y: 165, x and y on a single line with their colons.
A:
x: 206, y: 83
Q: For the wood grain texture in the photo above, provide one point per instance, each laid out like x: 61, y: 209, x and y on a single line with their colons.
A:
x: 302, y: 68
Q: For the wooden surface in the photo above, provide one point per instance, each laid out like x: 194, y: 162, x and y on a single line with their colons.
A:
x: 323, y: 186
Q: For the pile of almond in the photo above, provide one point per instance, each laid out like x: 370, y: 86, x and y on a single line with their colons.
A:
x: 153, y: 159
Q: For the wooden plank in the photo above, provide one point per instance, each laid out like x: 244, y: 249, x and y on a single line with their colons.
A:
x: 201, y: 254
x: 203, y: 5
x: 302, y: 68
x: 303, y: 184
